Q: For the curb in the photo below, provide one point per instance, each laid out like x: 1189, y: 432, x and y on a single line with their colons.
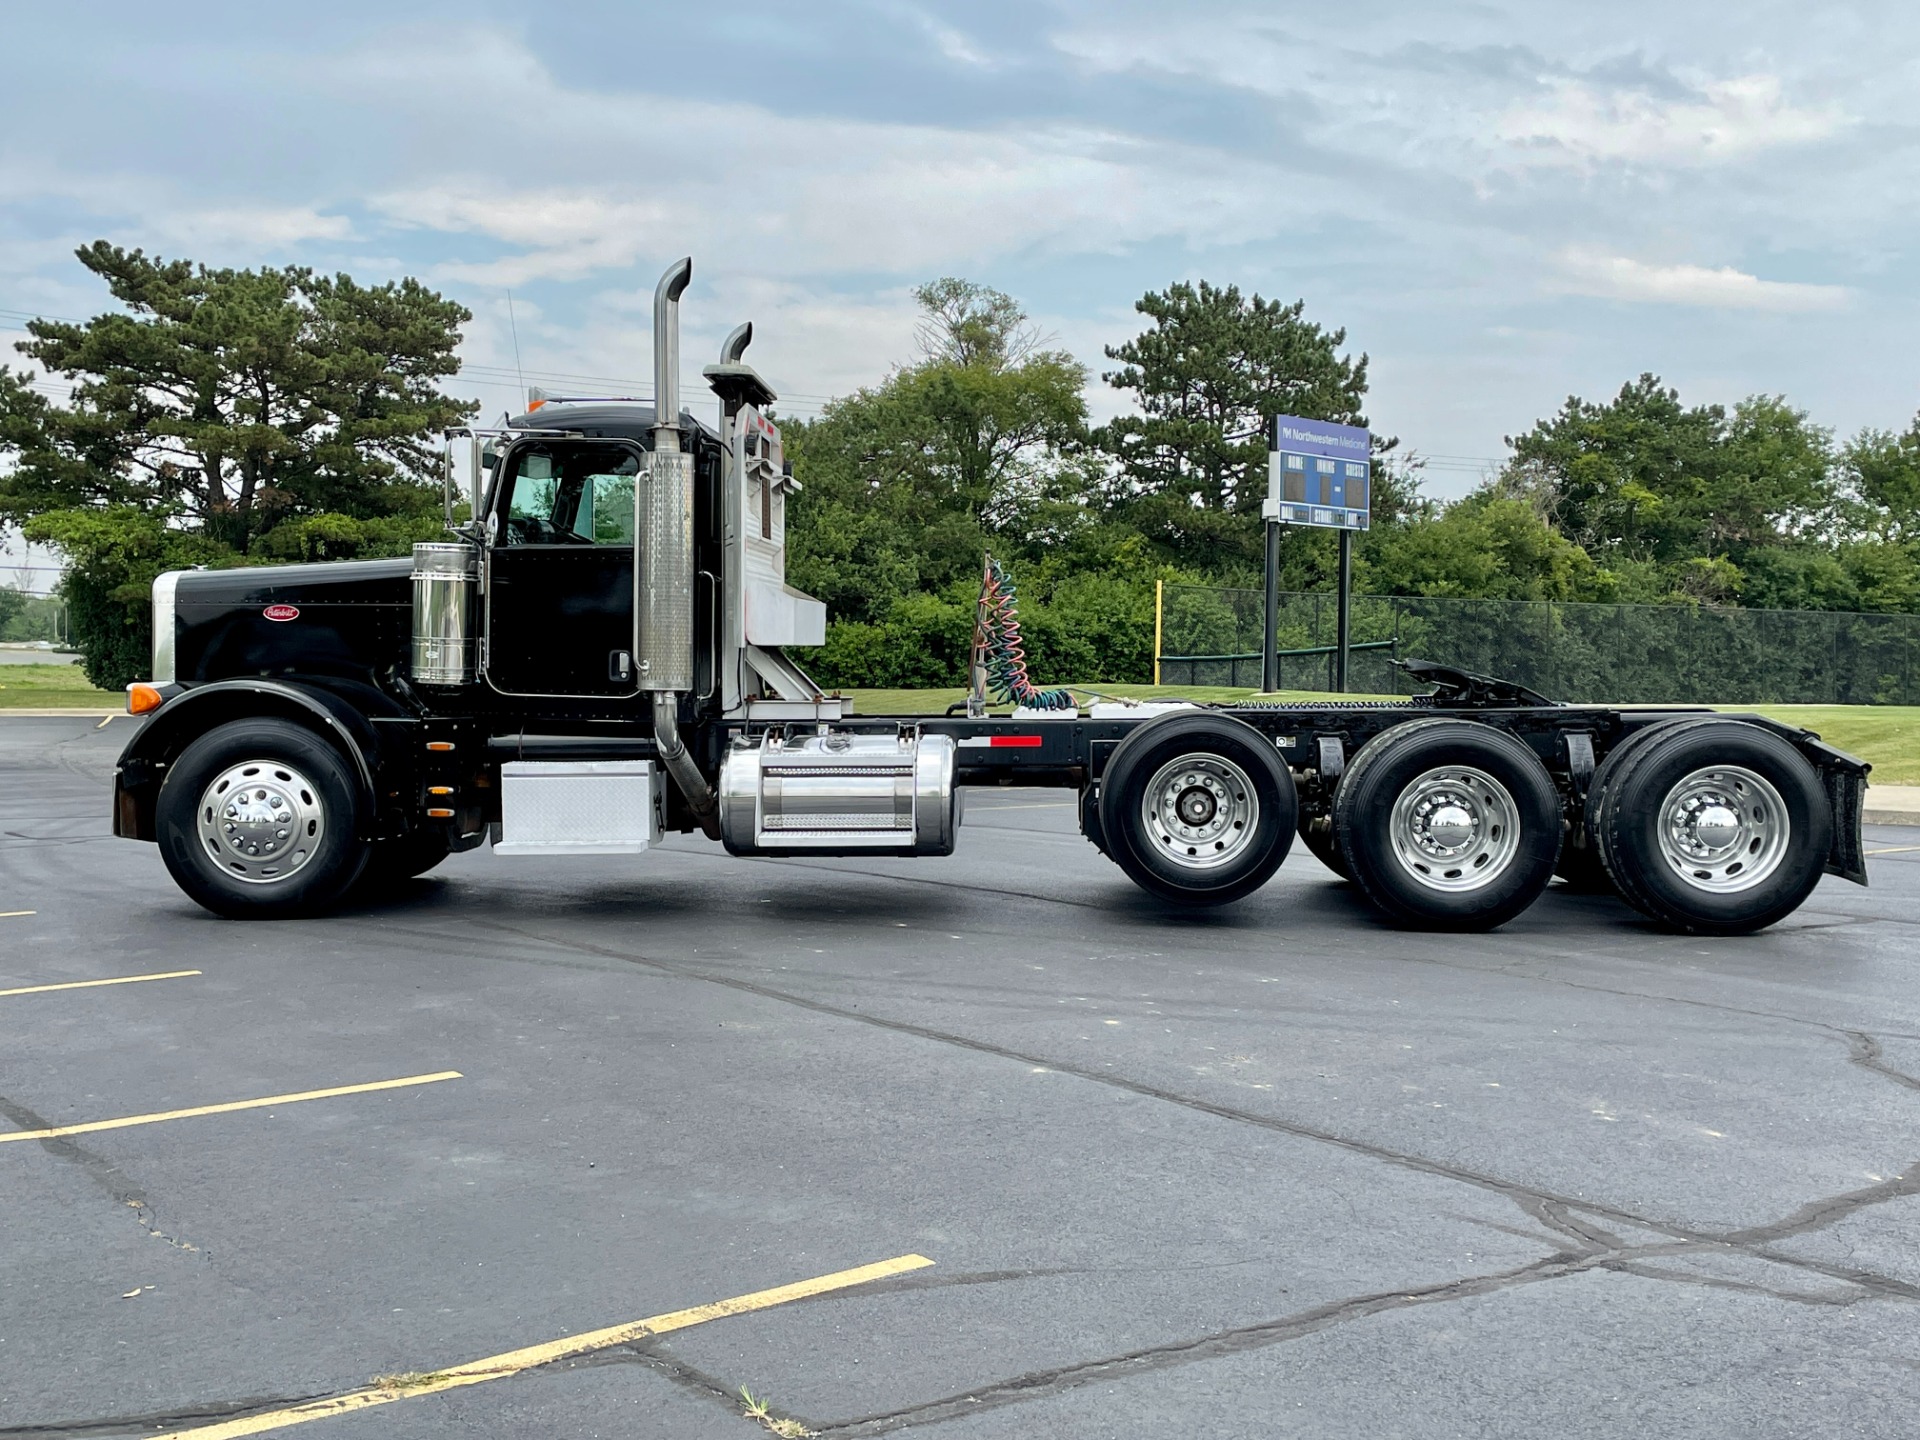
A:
x: 1890, y: 817
x: 60, y: 714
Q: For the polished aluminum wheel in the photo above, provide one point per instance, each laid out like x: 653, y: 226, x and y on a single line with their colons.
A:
x: 1454, y: 829
x: 1724, y: 829
x: 261, y: 821
x: 1200, y: 811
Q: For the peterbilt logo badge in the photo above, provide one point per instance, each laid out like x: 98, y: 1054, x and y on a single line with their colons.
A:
x: 282, y: 612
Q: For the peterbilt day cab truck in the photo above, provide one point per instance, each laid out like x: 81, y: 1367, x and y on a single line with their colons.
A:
x: 598, y: 656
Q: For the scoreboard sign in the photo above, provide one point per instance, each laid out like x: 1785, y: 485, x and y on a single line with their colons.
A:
x: 1318, y: 474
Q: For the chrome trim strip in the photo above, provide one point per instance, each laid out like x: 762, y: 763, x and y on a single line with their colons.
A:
x: 165, y: 623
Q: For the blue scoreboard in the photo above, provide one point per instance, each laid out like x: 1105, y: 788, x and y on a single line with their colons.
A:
x: 1318, y: 473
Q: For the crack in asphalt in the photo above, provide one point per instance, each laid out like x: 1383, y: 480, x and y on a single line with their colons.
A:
x: 1866, y: 1054
x: 1043, y: 1384
x: 159, y: 1419
x: 106, y: 1175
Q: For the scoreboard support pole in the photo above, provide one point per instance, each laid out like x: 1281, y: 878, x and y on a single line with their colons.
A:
x: 1343, y: 638
x: 1270, y: 646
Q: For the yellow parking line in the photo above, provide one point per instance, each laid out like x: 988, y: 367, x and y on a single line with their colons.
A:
x: 1895, y: 850
x: 89, y: 984
x: 16, y: 914
x: 125, y: 1120
x: 476, y: 1372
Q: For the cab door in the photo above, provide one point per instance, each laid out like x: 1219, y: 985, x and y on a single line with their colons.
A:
x: 561, y: 570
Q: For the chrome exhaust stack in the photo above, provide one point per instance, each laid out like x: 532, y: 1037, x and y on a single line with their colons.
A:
x: 665, y: 583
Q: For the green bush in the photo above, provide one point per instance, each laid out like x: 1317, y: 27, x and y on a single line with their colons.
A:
x: 1092, y: 628
x: 113, y: 557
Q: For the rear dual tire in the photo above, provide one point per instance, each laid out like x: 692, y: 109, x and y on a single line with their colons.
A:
x: 1710, y: 826
x: 1448, y: 824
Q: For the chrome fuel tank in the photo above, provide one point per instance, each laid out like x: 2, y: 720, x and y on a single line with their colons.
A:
x: 840, y: 792
x: 446, y: 649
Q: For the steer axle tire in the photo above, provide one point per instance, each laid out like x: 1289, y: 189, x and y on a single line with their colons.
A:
x: 1198, y: 809
x: 1711, y: 826
x: 1448, y: 824
x: 258, y: 819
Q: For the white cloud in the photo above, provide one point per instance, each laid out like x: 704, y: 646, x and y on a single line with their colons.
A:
x: 1581, y: 124
x: 1618, y: 277
x: 563, y: 234
x: 954, y: 45
x: 249, y: 228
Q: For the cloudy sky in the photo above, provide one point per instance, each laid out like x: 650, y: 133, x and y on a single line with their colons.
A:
x: 1504, y: 203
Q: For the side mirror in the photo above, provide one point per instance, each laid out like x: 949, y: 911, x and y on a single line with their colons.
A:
x: 463, y: 475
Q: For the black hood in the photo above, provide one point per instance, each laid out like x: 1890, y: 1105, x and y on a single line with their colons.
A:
x: 347, y: 619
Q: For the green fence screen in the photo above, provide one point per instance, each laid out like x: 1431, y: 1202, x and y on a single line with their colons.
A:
x: 1620, y: 654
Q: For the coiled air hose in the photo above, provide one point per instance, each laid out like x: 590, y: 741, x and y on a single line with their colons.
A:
x: 998, y: 636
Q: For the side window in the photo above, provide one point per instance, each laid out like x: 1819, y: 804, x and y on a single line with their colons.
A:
x: 609, y: 509
x: 571, y: 496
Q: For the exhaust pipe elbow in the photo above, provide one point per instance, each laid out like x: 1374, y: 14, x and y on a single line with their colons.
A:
x: 679, y: 764
x: 666, y: 345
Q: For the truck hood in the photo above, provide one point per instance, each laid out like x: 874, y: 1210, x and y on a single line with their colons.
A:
x: 343, y: 620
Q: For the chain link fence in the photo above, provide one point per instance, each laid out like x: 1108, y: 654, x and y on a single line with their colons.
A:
x: 1606, y: 654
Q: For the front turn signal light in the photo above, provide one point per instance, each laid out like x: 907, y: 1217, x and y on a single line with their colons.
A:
x: 142, y: 697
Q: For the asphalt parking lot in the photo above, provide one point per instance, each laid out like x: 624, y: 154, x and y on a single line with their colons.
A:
x: 1275, y: 1171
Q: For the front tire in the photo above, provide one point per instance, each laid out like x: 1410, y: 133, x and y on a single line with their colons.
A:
x: 258, y: 819
x: 1197, y: 809
x: 1448, y: 824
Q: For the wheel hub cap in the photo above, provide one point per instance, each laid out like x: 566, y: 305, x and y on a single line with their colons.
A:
x: 1723, y: 829
x: 1450, y: 827
x: 1716, y: 826
x: 1197, y: 806
x: 261, y: 821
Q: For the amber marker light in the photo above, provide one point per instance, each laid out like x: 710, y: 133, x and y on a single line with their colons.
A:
x: 142, y: 697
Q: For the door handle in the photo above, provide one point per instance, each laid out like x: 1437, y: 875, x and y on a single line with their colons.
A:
x: 620, y: 665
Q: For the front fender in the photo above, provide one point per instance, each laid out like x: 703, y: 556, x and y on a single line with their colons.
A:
x: 192, y: 713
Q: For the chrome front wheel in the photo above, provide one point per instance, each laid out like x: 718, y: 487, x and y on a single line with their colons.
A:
x: 261, y: 818
x: 1197, y: 808
x: 261, y: 821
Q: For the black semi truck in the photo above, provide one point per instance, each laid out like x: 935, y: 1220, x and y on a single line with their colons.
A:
x: 598, y: 656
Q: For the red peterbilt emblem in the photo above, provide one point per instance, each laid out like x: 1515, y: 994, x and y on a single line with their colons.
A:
x: 282, y: 612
